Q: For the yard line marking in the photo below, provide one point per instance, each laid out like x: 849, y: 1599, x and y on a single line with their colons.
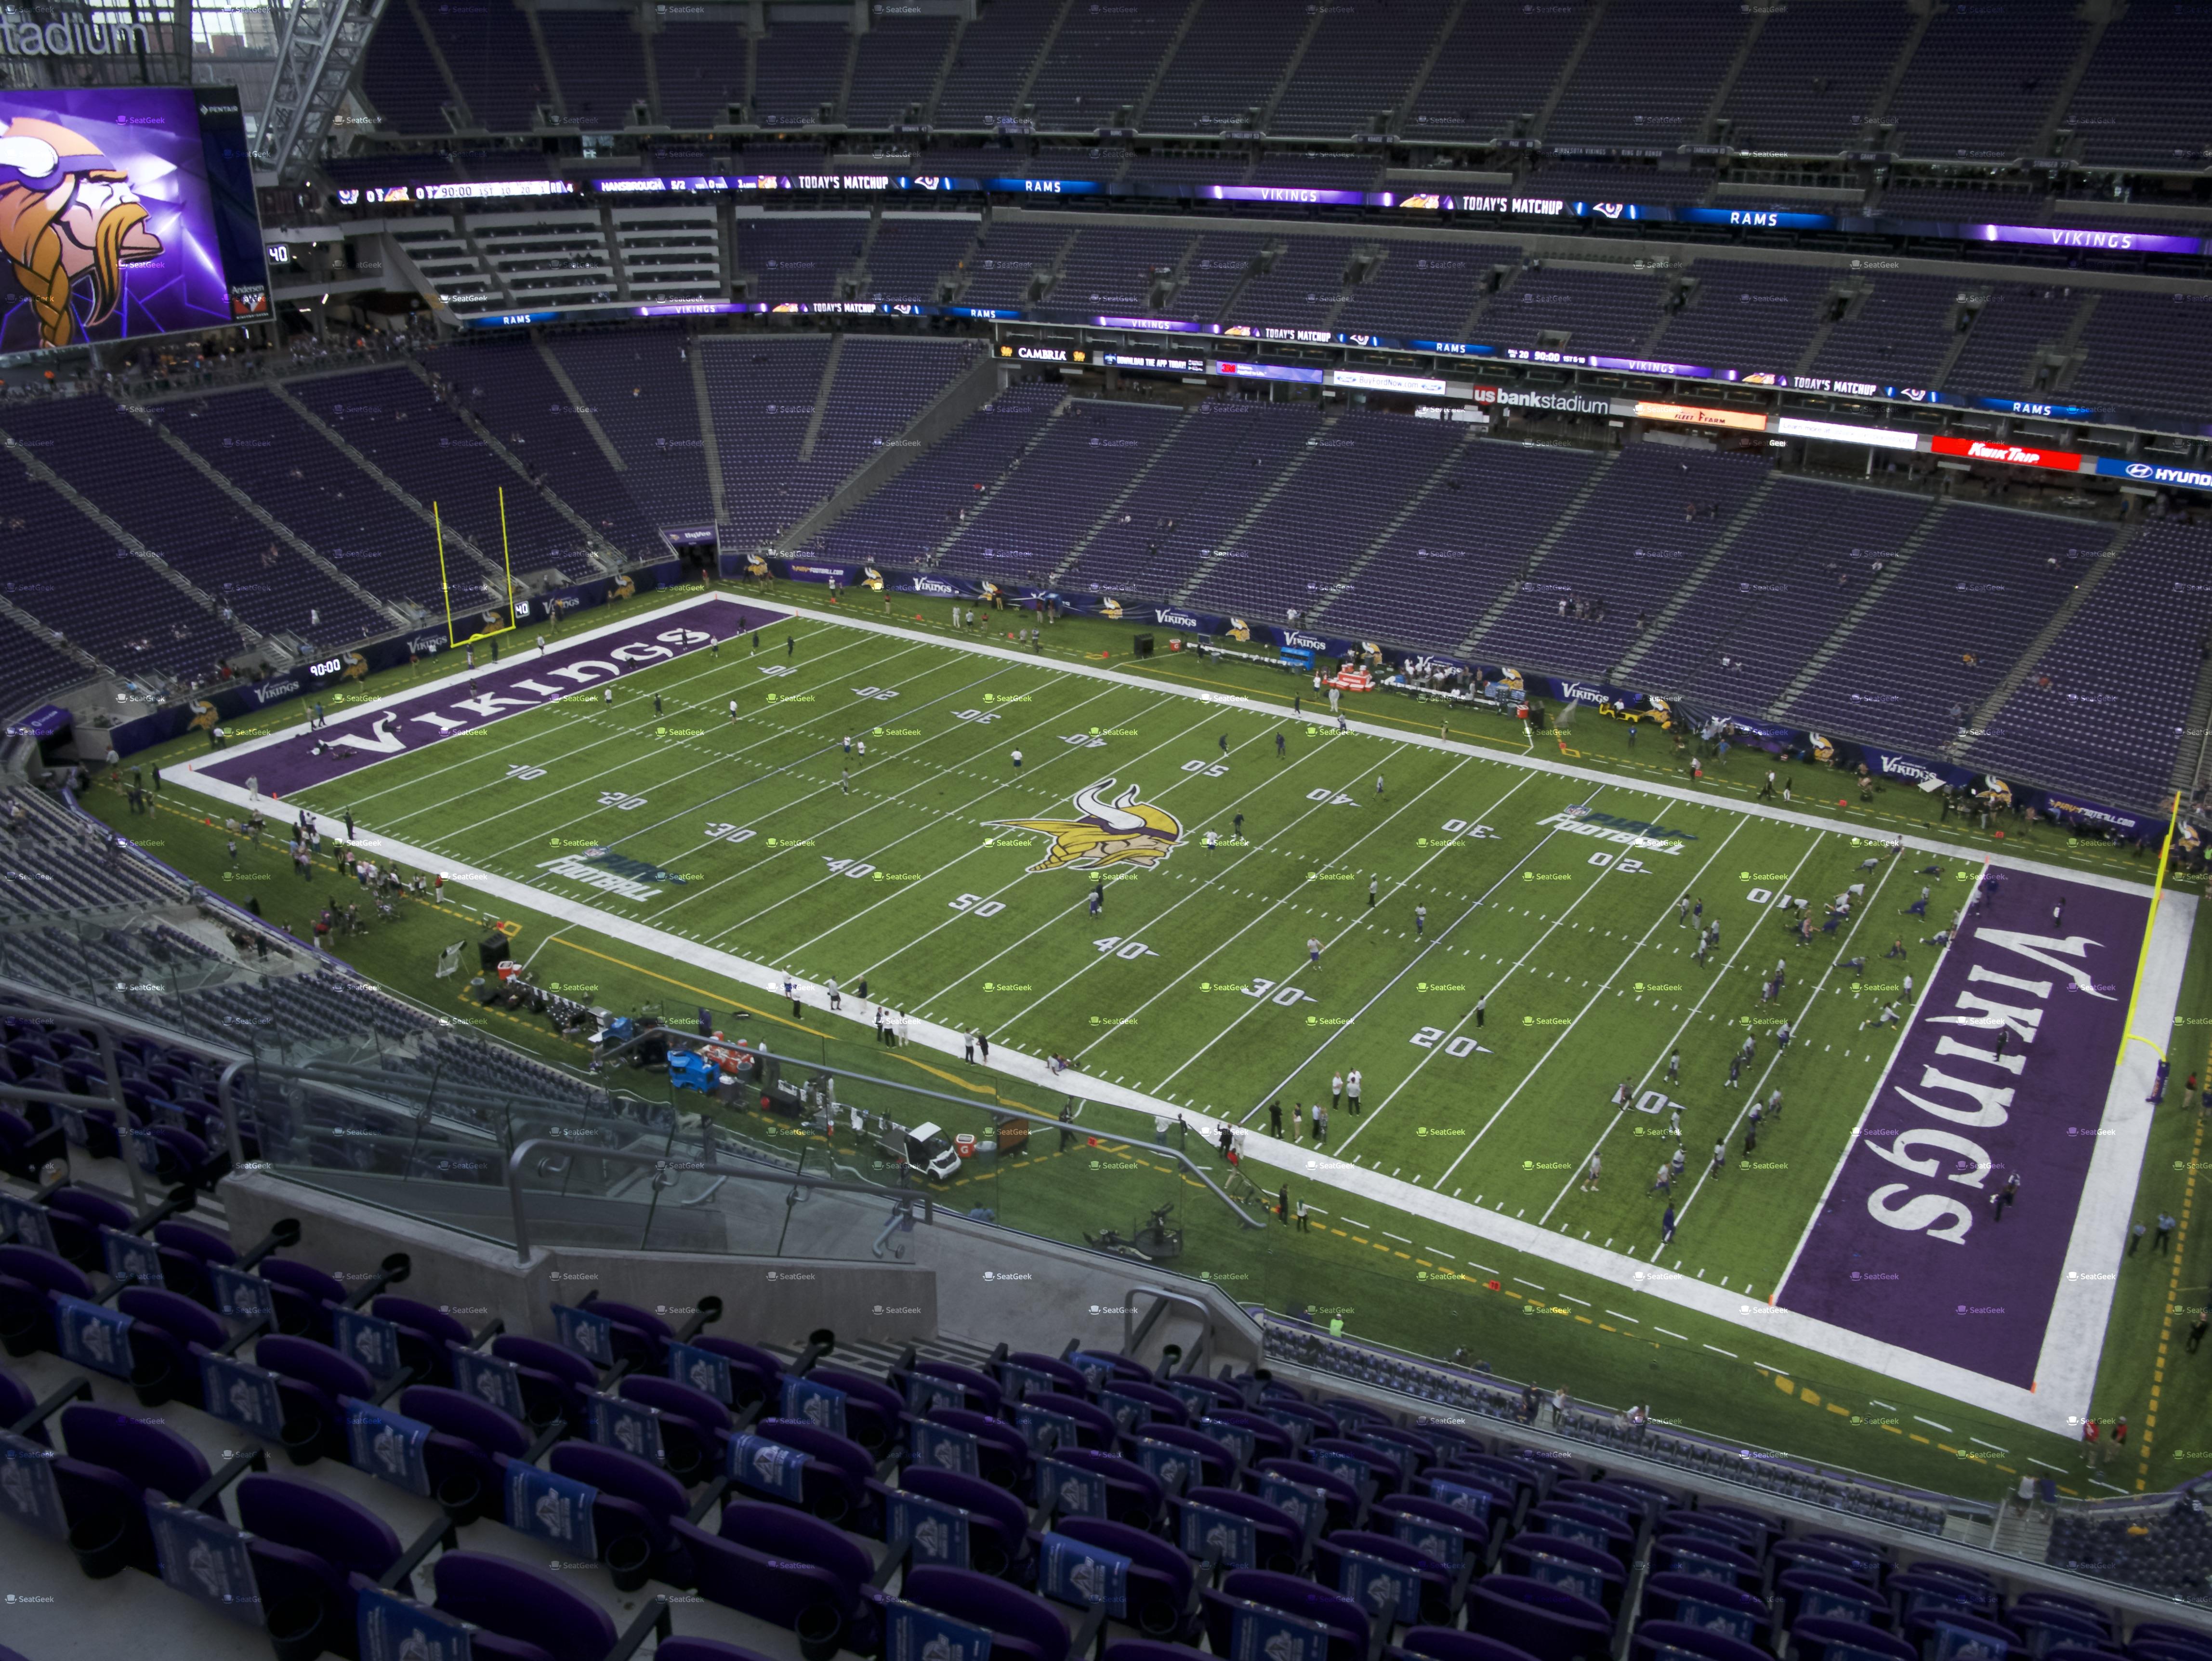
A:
x: 974, y: 970
x: 1718, y: 981
x: 1256, y: 1004
x: 1561, y: 1037
x: 1730, y: 1354
x: 623, y: 762
x: 1406, y: 969
x: 1517, y: 1281
x: 950, y: 816
x: 1991, y: 1446
x: 1254, y: 922
x: 2046, y: 1465
x: 1401, y: 1239
x: 1584, y: 1302
x: 1446, y: 1255
x: 1890, y: 1406
x: 1932, y: 1424
x: 1631, y: 1319
x: 1356, y: 1223
x: 1670, y: 1335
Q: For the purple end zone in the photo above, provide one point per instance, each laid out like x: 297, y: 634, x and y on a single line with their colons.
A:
x: 525, y: 679
x: 1907, y: 1248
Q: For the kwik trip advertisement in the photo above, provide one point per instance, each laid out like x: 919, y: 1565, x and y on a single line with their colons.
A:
x: 125, y: 212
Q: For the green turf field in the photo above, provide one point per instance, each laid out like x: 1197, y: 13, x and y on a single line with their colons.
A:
x: 904, y: 864
x: 1198, y: 983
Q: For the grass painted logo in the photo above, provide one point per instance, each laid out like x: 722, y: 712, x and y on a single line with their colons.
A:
x: 615, y: 873
x: 1112, y: 831
x: 622, y: 865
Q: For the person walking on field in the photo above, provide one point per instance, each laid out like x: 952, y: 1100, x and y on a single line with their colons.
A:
x: 1591, y: 1176
x: 1352, y: 1090
x: 1336, y: 1089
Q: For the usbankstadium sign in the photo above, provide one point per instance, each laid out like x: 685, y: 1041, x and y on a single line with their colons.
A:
x: 74, y: 36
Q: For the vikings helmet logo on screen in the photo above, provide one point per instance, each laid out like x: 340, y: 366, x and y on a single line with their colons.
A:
x: 68, y: 216
x: 1112, y: 831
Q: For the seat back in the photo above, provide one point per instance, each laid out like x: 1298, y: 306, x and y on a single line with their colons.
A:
x: 452, y: 1414
x: 315, y: 1364
x: 623, y: 1475
x: 145, y: 1454
x: 314, y: 1518
x: 1006, y: 1610
x: 516, y: 1601
x: 186, y: 1322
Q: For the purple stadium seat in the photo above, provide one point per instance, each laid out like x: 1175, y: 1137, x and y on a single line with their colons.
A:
x: 27, y: 1275
x: 469, y: 1439
x: 754, y: 1374
x: 789, y: 1569
x: 1070, y: 1381
x: 692, y: 1423
x: 313, y: 1549
x: 1809, y: 1553
x: 1269, y: 1440
x: 640, y: 1335
x: 1664, y: 1594
x: 1581, y: 1523
x: 704, y: 1649
x: 1349, y: 1629
x: 1381, y: 1468
x: 1003, y: 1457
x: 1094, y: 1426
x: 637, y: 1499
x: 114, y: 1461
x: 1210, y: 1462
x: 998, y: 1524
x: 554, y: 1380
x: 314, y: 1381
x: 1279, y: 1544
x: 424, y: 1332
x: 1450, y: 1644
x: 1133, y: 1494
x: 1160, y: 1575
x: 1345, y: 1507
x: 1549, y: 1622
x: 1435, y: 1582
x: 1707, y: 1555
x: 875, y: 1414
x: 1811, y: 1638
x: 981, y: 1390
x: 167, y: 1327
x: 1668, y: 1638
x: 511, y: 1600
x: 1024, y: 1627
x: 1537, y: 1555
x: 16, y: 1401
x: 303, y: 1297
x: 838, y: 1470
x: 1829, y: 1592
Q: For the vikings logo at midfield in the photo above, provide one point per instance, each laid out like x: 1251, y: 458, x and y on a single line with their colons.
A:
x: 67, y: 212
x: 1113, y: 831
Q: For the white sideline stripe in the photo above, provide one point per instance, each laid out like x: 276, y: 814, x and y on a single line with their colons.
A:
x: 2062, y: 1392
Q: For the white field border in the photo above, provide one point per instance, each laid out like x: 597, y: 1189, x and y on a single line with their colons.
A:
x: 2073, y: 1340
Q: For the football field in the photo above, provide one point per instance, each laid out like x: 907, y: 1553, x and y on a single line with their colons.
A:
x: 1210, y: 908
